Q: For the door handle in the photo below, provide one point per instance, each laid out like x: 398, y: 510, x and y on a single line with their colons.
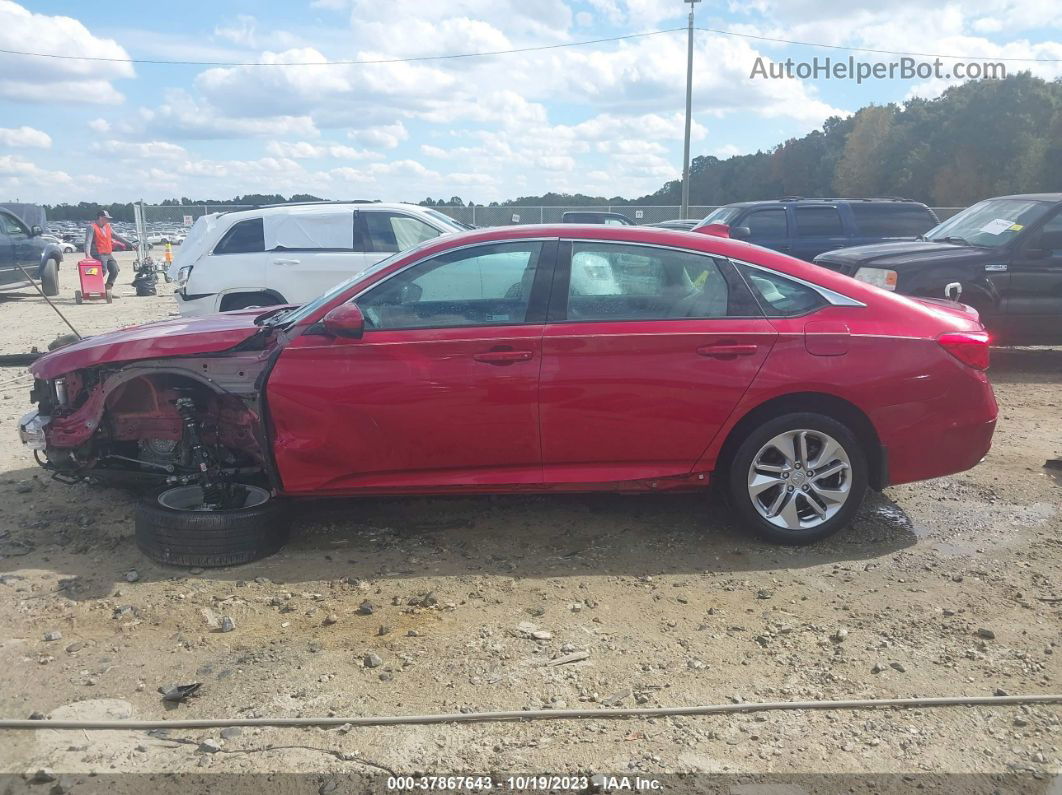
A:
x: 285, y: 262
x: 727, y: 350
x: 503, y: 357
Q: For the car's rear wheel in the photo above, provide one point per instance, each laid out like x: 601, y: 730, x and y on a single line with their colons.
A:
x: 174, y: 527
x: 50, y: 277
x: 798, y: 478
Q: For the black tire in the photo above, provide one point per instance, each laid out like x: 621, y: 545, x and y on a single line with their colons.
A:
x: 737, y: 478
x: 209, y: 538
x: 247, y: 300
x: 50, y: 278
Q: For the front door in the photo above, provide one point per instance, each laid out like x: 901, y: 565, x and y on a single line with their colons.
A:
x: 646, y: 353
x: 440, y: 393
x: 1033, y: 302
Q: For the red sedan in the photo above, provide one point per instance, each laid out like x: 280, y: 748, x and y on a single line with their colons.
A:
x: 527, y: 359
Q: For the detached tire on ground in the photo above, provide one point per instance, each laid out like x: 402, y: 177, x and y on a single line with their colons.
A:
x: 50, y: 278
x: 183, y: 536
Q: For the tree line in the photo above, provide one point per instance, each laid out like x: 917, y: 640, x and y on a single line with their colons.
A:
x: 979, y: 139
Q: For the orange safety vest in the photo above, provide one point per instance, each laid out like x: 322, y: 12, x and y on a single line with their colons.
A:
x: 103, y: 239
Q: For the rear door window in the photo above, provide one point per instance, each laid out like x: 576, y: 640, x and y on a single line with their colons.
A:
x: 881, y: 219
x: 623, y: 282
x: 313, y: 231
x: 818, y: 222
x: 245, y: 237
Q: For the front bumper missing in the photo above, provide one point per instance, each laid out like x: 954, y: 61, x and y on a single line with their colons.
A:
x: 31, y: 430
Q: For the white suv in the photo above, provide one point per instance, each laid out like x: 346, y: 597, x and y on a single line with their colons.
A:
x: 291, y: 253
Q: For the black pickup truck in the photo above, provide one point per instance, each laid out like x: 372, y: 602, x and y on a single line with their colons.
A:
x: 1002, y: 256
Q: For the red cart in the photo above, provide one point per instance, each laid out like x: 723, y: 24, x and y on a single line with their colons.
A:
x: 93, y: 285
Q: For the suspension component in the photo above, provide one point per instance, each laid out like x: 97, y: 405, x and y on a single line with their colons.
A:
x: 218, y: 493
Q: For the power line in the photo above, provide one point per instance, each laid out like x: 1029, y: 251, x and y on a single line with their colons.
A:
x: 517, y: 50
x: 365, y: 62
x: 869, y: 49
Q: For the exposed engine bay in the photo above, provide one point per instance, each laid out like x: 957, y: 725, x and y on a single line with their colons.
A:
x: 177, y: 421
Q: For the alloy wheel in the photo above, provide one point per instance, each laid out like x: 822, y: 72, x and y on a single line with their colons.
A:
x: 800, y: 479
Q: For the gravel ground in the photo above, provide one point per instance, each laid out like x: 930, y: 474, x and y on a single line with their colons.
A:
x: 398, y: 606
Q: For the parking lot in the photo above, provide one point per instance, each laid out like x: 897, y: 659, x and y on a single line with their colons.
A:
x: 423, y: 605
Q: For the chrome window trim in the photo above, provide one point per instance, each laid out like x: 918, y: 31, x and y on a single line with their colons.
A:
x: 830, y: 296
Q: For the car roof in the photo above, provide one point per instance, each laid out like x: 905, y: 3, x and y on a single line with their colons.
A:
x: 824, y: 200
x: 323, y: 207
x: 1038, y: 197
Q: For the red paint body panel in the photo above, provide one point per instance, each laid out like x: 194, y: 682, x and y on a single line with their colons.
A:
x: 629, y: 400
x: 179, y: 337
x: 401, y: 409
x: 567, y: 406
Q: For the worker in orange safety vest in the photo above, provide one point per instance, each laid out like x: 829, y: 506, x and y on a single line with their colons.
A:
x: 100, y: 241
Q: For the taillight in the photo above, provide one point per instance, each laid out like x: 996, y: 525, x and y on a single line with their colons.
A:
x: 969, y: 347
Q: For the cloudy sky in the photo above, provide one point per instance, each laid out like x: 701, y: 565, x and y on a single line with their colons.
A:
x: 602, y: 118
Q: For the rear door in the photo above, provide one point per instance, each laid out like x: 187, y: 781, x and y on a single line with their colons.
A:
x: 646, y: 353
x: 311, y: 249
x: 1033, y: 298
x: 818, y: 229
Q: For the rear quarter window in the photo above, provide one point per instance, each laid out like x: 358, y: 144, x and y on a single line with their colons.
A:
x: 779, y: 296
x: 892, y: 220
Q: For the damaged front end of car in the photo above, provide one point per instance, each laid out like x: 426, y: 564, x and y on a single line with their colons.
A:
x: 182, y: 420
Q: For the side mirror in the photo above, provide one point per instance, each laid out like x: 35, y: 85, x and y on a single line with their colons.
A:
x: 740, y: 232
x: 35, y: 231
x: 346, y: 320
x: 719, y: 230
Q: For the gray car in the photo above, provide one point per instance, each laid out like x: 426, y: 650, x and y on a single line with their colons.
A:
x: 25, y: 252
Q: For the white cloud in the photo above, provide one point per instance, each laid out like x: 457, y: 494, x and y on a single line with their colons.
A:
x: 28, y: 181
x: 99, y: 125
x: 24, y: 136
x: 30, y: 79
x: 181, y: 116
x: 385, y: 136
x: 241, y: 32
x: 305, y: 149
x: 139, y: 150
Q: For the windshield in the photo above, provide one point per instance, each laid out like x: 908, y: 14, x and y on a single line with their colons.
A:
x: 721, y: 215
x: 989, y: 223
x: 452, y: 223
x: 304, y: 311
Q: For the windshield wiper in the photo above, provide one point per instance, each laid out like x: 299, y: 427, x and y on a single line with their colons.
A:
x: 274, y: 319
x: 958, y: 241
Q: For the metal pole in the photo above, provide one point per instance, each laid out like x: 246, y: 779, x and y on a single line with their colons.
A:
x: 689, y: 108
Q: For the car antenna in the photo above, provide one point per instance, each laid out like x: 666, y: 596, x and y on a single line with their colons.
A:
x: 46, y: 298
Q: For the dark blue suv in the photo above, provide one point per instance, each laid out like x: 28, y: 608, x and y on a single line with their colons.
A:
x: 804, y: 228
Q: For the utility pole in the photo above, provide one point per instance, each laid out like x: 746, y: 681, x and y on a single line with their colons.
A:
x: 689, y: 108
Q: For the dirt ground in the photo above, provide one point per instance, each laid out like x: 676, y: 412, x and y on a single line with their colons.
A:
x: 941, y: 588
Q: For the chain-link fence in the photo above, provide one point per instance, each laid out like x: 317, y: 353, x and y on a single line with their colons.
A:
x: 167, y: 217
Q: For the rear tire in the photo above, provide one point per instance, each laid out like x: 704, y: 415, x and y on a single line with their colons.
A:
x: 50, y: 278
x: 809, y: 508
x: 181, y: 537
